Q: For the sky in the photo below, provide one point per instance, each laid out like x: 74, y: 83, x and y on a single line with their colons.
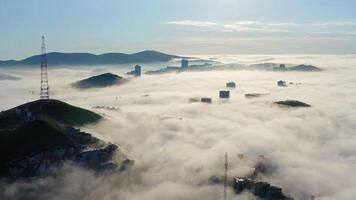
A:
x: 178, y: 26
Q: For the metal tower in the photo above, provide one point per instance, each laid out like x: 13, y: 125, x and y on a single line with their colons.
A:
x: 44, y: 94
x: 225, y: 178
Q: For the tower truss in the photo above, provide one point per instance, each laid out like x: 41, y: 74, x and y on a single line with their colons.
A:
x: 44, y: 93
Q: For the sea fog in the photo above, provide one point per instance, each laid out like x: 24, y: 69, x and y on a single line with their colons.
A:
x: 177, y: 146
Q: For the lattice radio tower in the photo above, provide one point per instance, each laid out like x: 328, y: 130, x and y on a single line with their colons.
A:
x: 225, y: 177
x: 44, y: 94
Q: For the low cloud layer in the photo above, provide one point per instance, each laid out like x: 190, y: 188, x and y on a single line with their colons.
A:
x: 177, y: 146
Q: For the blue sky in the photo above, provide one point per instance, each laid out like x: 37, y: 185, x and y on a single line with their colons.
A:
x: 178, y: 26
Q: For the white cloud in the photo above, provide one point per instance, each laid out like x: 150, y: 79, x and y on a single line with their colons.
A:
x: 256, y: 26
x: 237, y: 26
x: 340, y: 23
x: 193, y: 23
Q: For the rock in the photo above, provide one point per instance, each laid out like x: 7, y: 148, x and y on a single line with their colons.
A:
x: 292, y: 103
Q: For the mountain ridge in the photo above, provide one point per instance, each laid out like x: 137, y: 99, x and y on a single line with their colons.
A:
x: 59, y: 58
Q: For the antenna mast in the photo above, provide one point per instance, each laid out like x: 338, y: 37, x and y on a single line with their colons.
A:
x: 44, y: 93
x: 225, y: 178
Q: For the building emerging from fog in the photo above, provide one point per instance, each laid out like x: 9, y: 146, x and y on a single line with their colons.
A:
x: 206, y: 100
x: 231, y: 85
x: 224, y: 94
x: 137, y: 71
x: 185, y: 64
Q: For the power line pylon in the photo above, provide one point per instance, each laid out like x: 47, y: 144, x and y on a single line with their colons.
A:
x: 44, y: 93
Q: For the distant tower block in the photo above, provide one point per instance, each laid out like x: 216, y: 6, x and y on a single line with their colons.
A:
x: 231, y: 85
x: 185, y: 63
x: 44, y: 93
x: 206, y: 100
x: 137, y: 70
x: 224, y: 94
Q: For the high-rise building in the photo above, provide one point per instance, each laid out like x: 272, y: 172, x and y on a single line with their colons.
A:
x: 185, y: 63
x: 224, y: 94
x: 231, y: 85
x: 137, y: 70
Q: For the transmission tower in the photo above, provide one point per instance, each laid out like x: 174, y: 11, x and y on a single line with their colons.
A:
x: 44, y: 94
x: 225, y: 177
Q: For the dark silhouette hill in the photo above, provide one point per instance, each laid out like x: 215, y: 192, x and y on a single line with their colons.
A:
x: 310, y: 68
x: 38, y: 137
x: 102, y: 80
x: 50, y: 110
x: 57, y: 58
x: 31, y: 138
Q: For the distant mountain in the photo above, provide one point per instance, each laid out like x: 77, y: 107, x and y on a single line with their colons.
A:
x: 57, y: 58
x: 102, y: 80
x: 235, y: 66
x: 309, y: 68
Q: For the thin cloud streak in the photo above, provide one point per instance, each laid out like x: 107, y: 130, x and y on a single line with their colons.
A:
x: 258, y: 26
x: 192, y: 23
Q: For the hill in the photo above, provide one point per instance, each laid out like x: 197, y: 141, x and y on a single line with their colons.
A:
x: 51, y: 110
x: 56, y: 58
x: 31, y: 138
x: 309, y: 68
x: 103, y: 80
x: 36, y: 139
